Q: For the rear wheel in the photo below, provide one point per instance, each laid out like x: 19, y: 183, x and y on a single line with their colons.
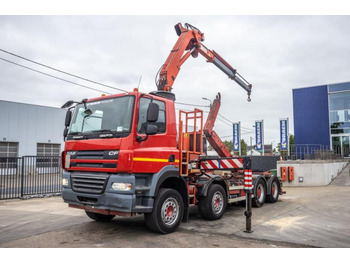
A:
x: 99, y: 217
x: 275, y: 191
x: 259, y: 193
x: 213, y: 205
x: 167, y: 212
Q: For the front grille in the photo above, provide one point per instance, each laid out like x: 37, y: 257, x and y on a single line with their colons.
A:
x: 88, y: 183
x: 94, y: 165
x: 89, y: 155
x: 96, y: 155
x: 106, y: 159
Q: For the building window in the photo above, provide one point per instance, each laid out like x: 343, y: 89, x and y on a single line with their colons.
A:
x: 339, y: 116
x: 8, y: 154
x: 339, y: 107
x: 48, y: 157
x: 8, y: 149
x: 48, y: 149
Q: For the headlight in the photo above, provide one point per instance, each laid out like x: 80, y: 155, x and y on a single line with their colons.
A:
x: 65, y: 181
x: 121, y: 186
x: 67, y: 161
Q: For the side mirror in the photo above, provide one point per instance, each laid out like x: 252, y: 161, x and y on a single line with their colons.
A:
x: 68, y: 104
x: 65, y: 133
x: 88, y: 112
x: 68, y: 118
x: 151, y: 129
x: 152, y: 112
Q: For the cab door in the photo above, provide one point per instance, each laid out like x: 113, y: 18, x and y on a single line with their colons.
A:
x: 152, y: 154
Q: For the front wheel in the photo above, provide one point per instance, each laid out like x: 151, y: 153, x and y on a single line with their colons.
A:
x: 213, y: 205
x: 168, y: 210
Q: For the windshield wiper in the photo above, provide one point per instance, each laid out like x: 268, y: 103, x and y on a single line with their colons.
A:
x: 101, y: 130
x: 75, y: 133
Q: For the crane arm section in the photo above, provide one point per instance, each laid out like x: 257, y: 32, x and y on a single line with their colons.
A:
x: 190, y: 43
x: 212, y: 137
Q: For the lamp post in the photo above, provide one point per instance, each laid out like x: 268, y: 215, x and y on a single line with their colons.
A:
x: 204, y: 98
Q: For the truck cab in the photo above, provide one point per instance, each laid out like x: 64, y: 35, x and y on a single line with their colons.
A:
x: 119, y: 151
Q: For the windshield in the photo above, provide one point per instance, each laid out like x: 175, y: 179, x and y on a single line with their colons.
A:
x: 111, y: 115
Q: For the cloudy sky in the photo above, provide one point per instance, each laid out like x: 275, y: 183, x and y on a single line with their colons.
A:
x: 274, y: 53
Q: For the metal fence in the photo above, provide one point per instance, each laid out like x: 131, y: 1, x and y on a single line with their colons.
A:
x: 29, y: 176
x: 310, y: 152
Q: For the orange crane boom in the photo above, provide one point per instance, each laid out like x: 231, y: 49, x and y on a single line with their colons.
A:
x: 190, y: 43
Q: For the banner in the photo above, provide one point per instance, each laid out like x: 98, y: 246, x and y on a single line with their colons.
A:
x: 284, y: 134
x: 259, y: 139
x: 237, y: 137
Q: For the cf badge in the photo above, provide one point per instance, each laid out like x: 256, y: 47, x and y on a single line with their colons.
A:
x: 113, y: 153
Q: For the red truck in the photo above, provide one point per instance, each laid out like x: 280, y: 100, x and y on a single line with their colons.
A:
x: 124, y: 154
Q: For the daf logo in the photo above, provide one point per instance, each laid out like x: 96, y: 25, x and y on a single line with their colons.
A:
x: 106, y: 135
x: 72, y: 153
x: 113, y: 153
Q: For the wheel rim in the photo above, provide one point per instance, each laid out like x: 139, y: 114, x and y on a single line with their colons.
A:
x: 274, y: 190
x: 260, y: 193
x: 217, y: 202
x: 170, y: 211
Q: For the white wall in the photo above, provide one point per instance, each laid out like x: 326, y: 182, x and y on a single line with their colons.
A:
x: 313, y: 172
x: 31, y: 124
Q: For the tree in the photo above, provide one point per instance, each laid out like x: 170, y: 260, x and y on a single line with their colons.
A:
x: 243, y: 147
x: 291, y: 144
x: 229, y: 145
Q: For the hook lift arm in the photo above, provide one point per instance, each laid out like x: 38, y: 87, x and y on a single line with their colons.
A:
x: 189, y: 43
x: 211, y: 136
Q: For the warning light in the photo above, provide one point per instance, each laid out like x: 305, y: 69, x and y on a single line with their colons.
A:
x: 136, y: 89
x: 103, y: 95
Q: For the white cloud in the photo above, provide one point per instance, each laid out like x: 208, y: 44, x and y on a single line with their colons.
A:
x: 274, y: 53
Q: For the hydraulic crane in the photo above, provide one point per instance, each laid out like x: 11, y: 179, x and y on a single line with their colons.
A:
x: 190, y: 43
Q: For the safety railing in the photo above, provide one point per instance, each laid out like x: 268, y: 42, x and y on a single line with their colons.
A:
x: 310, y: 152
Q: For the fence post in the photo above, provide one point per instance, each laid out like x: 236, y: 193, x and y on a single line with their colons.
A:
x: 22, y: 177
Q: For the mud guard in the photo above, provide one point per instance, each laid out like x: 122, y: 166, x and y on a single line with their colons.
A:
x: 202, y: 191
x: 169, y: 177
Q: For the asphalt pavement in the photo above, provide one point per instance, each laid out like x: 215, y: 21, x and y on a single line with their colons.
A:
x: 304, y: 217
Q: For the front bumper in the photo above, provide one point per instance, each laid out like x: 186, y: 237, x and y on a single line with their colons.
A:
x: 109, y: 200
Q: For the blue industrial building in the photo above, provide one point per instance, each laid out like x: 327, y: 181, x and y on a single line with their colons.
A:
x: 322, y: 118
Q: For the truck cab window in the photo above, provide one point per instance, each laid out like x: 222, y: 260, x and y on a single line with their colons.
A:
x: 142, y: 119
x: 113, y: 115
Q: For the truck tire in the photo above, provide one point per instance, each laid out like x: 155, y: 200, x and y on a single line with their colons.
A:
x: 259, y: 193
x: 275, y: 191
x: 99, y: 217
x: 213, y: 205
x: 168, y: 210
